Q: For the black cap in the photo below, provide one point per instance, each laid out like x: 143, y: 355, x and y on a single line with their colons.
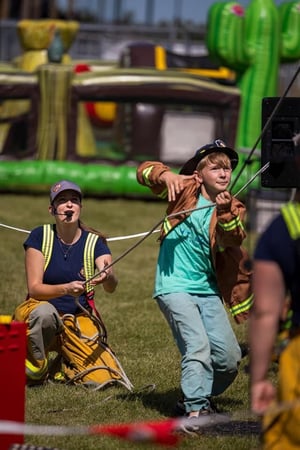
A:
x: 217, y: 146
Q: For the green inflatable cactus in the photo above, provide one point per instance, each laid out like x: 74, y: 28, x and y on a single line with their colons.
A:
x: 289, y: 14
x: 253, y: 42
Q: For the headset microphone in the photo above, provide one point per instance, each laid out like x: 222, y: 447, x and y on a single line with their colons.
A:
x: 67, y: 213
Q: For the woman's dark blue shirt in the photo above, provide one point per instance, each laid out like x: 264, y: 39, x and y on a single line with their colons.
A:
x: 63, y: 269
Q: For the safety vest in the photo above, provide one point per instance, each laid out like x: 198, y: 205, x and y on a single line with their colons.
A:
x: 88, y: 255
x: 37, y: 373
x: 291, y: 215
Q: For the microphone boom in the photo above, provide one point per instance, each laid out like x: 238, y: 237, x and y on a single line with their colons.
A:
x: 67, y: 213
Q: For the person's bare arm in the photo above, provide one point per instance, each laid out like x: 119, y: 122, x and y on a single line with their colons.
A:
x: 269, y: 298
x: 34, y: 266
x: 107, y: 277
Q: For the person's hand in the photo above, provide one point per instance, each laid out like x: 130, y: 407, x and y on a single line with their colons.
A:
x: 223, y: 200
x: 175, y: 183
x: 263, y: 394
x: 75, y: 288
x: 103, y: 276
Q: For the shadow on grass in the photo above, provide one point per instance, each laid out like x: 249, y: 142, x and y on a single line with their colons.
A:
x: 164, y: 403
x: 235, y: 428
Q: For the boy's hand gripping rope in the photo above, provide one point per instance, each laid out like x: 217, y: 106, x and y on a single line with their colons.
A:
x: 186, y: 211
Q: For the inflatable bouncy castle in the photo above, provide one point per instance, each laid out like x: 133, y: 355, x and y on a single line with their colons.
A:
x: 92, y: 121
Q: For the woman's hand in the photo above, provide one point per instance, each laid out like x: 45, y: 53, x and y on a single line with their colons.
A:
x: 106, y: 275
x: 101, y: 278
x: 75, y: 288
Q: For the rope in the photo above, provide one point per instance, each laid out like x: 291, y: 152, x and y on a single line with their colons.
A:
x: 102, y: 342
x: 117, y: 238
x: 154, y: 229
x: 186, y: 211
x: 247, y: 161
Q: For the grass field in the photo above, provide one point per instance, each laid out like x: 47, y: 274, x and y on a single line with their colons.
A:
x: 137, y: 332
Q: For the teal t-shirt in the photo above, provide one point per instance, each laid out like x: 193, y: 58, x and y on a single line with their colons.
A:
x: 184, y: 261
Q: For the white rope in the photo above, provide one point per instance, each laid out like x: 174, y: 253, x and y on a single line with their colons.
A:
x: 118, y: 238
x: 169, y: 216
x: 14, y: 228
x: 131, y: 236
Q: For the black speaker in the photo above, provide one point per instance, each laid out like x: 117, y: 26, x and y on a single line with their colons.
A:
x: 280, y: 144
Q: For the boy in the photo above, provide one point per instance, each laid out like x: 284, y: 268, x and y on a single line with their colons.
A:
x: 200, y: 264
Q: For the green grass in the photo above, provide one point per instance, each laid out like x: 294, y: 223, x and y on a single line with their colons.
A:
x: 137, y: 332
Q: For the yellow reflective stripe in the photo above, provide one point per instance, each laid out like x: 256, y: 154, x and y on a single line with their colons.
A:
x: 146, y: 174
x: 242, y: 307
x: 166, y: 226
x: 47, y: 244
x: 291, y: 215
x: 35, y: 373
x: 60, y: 377
x: 160, y: 58
x: 163, y: 194
x: 88, y: 256
x: 89, y: 259
x: 229, y: 226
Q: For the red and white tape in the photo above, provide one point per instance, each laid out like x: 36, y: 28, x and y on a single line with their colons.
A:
x: 160, y: 432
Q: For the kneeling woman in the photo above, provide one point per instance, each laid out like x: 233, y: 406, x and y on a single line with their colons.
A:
x: 60, y: 262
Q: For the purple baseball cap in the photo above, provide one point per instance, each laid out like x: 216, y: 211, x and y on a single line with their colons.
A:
x: 61, y: 186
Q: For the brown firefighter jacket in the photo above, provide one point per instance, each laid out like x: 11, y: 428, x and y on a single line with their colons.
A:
x: 226, y: 231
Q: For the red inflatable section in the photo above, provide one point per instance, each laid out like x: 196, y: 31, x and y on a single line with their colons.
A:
x: 101, y: 114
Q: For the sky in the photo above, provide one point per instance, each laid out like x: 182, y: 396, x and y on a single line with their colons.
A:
x: 192, y: 8
x: 195, y: 10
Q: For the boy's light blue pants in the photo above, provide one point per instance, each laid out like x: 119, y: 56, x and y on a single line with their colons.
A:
x: 210, y: 353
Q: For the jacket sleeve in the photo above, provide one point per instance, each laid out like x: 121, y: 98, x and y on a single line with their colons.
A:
x: 234, y: 272
x: 230, y: 229
x: 148, y: 174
